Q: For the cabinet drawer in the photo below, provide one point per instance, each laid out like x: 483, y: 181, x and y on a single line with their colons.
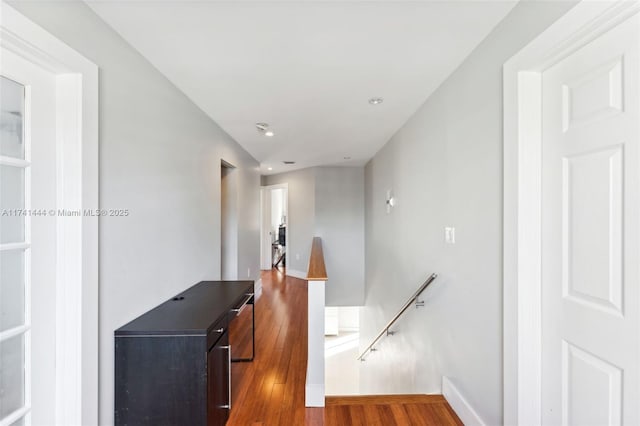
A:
x: 217, y: 331
x: 241, y: 303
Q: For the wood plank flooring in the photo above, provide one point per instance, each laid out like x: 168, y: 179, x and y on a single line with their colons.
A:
x: 270, y: 390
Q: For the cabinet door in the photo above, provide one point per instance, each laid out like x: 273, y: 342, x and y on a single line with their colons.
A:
x: 219, y: 382
x: 241, y: 330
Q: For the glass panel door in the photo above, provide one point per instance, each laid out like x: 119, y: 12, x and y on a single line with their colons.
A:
x: 14, y: 255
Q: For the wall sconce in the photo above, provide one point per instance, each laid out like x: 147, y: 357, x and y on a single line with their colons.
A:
x: 390, y: 201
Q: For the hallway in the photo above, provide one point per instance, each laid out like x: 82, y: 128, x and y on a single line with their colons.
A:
x: 270, y: 390
x: 492, y: 143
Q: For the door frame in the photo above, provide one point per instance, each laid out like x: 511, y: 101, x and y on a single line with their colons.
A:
x: 263, y: 191
x: 229, y: 222
x: 76, y: 159
x: 522, y: 168
x: 264, y: 259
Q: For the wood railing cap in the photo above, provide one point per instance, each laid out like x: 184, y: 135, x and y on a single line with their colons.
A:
x: 317, y: 270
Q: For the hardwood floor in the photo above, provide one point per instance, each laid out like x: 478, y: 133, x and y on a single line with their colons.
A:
x: 270, y: 390
x: 383, y: 410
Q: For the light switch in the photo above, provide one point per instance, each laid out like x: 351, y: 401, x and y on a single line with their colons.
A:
x: 450, y: 235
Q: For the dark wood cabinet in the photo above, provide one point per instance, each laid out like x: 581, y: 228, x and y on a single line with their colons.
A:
x: 219, y: 391
x: 172, y: 364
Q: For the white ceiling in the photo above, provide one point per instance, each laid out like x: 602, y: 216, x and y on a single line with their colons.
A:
x: 307, y: 68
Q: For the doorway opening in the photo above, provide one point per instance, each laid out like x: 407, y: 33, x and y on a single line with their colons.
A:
x: 228, y: 222
x: 274, y: 239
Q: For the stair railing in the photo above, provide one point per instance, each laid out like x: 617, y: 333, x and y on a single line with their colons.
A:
x: 386, y: 331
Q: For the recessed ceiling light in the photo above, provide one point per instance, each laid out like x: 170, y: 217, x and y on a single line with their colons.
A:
x: 376, y: 101
x: 269, y: 168
x: 269, y: 133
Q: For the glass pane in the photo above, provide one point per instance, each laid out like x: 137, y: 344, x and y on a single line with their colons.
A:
x: 11, y: 199
x: 11, y: 375
x: 12, y: 287
x: 11, y: 118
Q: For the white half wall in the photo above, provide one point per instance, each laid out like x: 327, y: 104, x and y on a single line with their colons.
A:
x: 349, y: 318
x: 444, y: 167
x: 314, y: 382
x: 160, y: 159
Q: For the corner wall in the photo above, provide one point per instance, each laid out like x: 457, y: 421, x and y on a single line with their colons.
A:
x: 445, y: 169
x: 160, y: 158
x: 339, y: 203
x: 328, y: 202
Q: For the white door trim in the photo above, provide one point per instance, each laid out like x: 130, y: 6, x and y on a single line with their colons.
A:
x: 77, y: 190
x: 522, y: 196
x: 264, y: 259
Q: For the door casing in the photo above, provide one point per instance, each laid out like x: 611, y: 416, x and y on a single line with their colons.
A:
x: 76, y: 278
x: 265, y: 215
x: 522, y: 161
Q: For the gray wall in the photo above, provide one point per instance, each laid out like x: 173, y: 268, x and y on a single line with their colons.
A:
x: 339, y: 203
x: 160, y: 158
x: 328, y: 202
x: 445, y: 168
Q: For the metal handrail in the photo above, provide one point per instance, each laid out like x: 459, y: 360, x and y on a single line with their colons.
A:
x: 385, y: 330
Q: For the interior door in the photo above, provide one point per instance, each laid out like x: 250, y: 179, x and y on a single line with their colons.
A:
x: 27, y: 242
x: 591, y: 215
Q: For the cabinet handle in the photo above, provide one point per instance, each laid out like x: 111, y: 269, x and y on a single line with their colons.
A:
x: 228, y: 348
x: 241, y: 308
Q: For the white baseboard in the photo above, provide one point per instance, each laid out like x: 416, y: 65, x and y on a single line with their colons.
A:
x: 296, y: 274
x: 257, y: 288
x: 314, y: 395
x: 460, y: 405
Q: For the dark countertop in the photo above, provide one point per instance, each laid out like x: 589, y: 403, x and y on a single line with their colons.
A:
x: 203, y: 305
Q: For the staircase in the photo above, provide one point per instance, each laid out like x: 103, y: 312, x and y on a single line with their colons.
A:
x: 271, y: 389
x: 407, y: 409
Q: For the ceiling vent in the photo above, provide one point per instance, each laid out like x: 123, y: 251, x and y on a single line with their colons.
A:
x: 289, y: 162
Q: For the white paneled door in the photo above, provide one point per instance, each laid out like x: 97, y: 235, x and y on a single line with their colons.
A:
x: 591, y: 233
x: 27, y: 242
